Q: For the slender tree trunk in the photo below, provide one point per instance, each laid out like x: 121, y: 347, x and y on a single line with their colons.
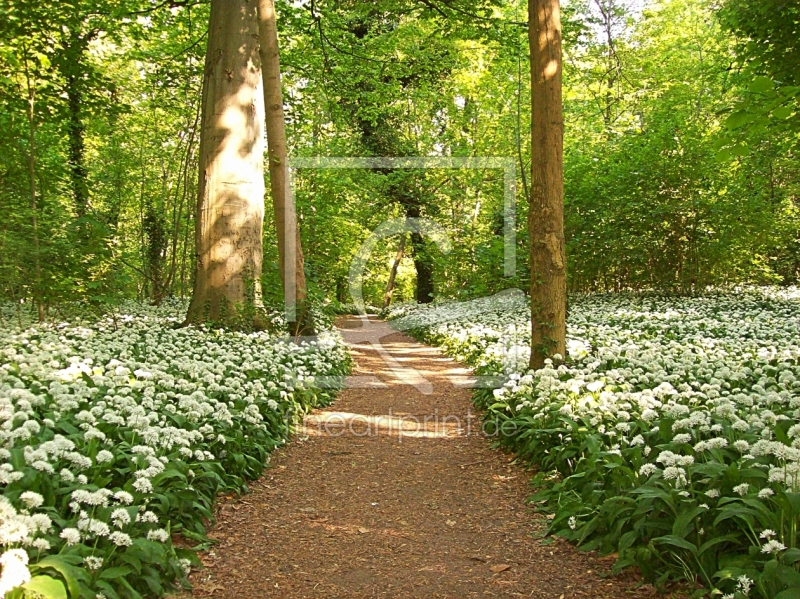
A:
x: 37, y: 270
x: 230, y: 204
x: 387, y: 297
x: 74, y: 70
x: 546, y: 213
x: 290, y: 250
x: 424, y: 292
x: 422, y: 264
x: 77, y: 148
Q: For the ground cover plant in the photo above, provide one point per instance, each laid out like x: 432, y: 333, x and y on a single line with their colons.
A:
x: 669, y: 435
x: 116, y: 434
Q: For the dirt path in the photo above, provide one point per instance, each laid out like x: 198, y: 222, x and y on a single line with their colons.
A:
x: 371, y: 504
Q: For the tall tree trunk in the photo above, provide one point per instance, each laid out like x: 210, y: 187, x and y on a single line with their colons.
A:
x: 290, y: 250
x: 387, y: 297
x: 74, y: 71
x: 424, y: 293
x: 230, y: 204
x: 546, y: 213
x: 37, y: 271
x: 422, y: 262
x: 76, y: 148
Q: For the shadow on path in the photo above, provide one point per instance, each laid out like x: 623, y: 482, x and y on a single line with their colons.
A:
x: 393, y: 492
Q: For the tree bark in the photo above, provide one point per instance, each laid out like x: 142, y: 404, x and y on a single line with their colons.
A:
x: 37, y: 271
x: 387, y: 297
x: 546, y: 213
x: 230, y: 203
x: 290, y: 250
x: 422, y: 263
x: 74, y: 70
x: 77, y: 147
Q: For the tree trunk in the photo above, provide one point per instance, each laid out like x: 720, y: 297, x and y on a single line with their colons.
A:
x: 424, y: 293
x: 546, y: 213
x: 76, y: 147
x: 74, y: 71
x: 422, y: 263
x: 37, y: 271
x: 230, y: 204
x: 290, y: 250
x: 387, y: 297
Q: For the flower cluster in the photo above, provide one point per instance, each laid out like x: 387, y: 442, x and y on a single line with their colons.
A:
x: 116, y: 434
x: 671, y: 423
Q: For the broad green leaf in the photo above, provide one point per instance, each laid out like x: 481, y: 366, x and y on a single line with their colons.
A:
x: 761, y: 85
x: 738, y: 119
x: 68, y: 571
x: 47, y: 587
x: 677, y: 542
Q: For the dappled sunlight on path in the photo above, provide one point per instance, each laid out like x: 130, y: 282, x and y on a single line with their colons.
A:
x: 393, y: 492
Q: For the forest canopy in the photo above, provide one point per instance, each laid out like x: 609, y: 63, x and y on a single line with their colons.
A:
x: 680, y: 148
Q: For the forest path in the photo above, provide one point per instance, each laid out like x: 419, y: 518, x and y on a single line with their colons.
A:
x: 368, y: 503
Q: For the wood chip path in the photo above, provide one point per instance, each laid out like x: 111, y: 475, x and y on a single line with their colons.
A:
x: 373, y: 501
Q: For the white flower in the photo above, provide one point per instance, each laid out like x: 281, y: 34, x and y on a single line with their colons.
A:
x: 742, y: 489
x: 772, y: 547
x: 97, y: 527
x: 31, y: 500
x: 682, y: 438
x: 648, y: 469
x: 767, y: 534
x: 713, y: 493
x: 157, y: 534
x: 123, y: 497
x: 71, y: 536
x: 93, y: 563
x: 104, y: 456
x: 120, y: 539
x: 15, y: 570
x: 742, y: 446
x: 185, y: 565
x: 595, y: 386
x: 765, y: 493
x: 147, y: 517
x: 743, y: 584
x: 143, y: 485
x: 120, y: 517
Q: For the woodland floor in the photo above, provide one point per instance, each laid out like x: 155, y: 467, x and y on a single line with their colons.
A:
x: 365, y: 503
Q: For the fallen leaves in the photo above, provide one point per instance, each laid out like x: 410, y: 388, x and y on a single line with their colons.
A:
x: 499, y: 568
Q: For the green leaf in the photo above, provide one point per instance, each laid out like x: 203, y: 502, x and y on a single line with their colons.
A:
x: 791, y: 556
x: 677, y: 542
x: 69, y: 572
x: 790, y: 593
x: 723, y: 155
x: 741, y: 149
x: 782, y: 112
x: 761, y: 85
x: 47, y: 587
x: 115, y: 572
x: 716, y: 541
x: 684, y: 520
x: 738, y: 119
x: 789, y: 576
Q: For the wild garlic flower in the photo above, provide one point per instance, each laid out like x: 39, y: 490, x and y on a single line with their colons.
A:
x: 773, y: 547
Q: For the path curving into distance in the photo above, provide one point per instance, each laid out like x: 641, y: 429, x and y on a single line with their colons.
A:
x: 392, y: 492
